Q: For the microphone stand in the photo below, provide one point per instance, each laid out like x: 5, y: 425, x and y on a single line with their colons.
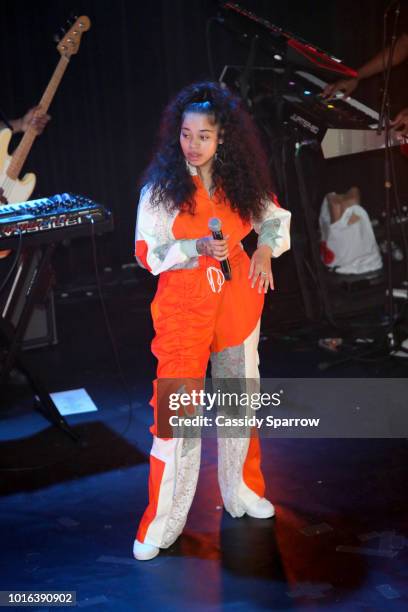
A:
x: 388, y: 66
x: 384, y: 126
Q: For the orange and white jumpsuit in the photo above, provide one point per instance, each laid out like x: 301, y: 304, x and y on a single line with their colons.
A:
x: 198, y: 317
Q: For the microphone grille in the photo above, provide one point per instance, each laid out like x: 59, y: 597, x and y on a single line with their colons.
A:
x: 214, y: 224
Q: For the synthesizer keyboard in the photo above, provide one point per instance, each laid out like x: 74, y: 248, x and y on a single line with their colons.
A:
x: 53, y: 219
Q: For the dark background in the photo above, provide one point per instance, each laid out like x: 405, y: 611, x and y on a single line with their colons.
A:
x: 135, y: 56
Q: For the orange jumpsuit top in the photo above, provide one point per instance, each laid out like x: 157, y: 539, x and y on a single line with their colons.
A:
x: 166, y: 243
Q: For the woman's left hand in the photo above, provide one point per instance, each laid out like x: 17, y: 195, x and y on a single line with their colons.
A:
x: 261, y: 270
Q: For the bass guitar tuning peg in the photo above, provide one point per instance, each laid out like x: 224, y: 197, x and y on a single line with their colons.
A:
x: 72, y: 18
x: 59, y: 35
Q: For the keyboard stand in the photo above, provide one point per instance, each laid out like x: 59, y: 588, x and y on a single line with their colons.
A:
x: 13, y: 333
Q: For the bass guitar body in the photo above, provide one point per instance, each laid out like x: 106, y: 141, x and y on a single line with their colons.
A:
x: 11, y: 190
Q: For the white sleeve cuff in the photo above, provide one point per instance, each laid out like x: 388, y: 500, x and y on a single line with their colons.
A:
x: 189, y: 247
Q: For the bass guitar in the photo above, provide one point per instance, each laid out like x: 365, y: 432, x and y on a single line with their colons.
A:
x: 13, y: 189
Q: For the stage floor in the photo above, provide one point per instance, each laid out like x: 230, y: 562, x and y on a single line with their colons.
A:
x: 69, y: 512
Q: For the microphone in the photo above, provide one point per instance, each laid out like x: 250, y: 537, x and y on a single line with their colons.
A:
x: 215, y: 226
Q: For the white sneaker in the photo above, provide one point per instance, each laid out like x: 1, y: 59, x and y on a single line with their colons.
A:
x: 144, y: 552
x: 261, y: 509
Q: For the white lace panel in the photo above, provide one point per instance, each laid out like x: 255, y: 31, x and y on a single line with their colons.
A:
x: 237, y: 364
x: 184, y: 489
x: 229, y: 363
x: 232, y: 453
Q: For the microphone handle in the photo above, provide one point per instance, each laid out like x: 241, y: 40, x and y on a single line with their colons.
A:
x: 225, y: 264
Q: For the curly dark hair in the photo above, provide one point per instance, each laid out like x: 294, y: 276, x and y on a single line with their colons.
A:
x: 241, y: 169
